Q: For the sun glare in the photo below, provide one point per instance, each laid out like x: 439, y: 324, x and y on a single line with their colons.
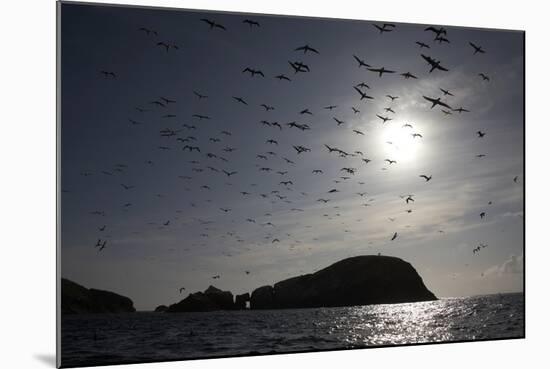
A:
x: 400, y: 142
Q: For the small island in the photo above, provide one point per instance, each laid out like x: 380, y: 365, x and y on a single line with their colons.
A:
x: 360, y: 280
x: 76, y: 299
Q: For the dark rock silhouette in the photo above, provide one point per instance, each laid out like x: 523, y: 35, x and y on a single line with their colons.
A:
x: 240, y: 301
x: 263, y: 298
x: 76, y: 299
x: 161, y: 309
x: 360, y: 280
x: 209, y: 300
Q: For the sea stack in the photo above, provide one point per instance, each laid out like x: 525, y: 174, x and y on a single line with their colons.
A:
x: 360, y: 280
x: 210, y: 300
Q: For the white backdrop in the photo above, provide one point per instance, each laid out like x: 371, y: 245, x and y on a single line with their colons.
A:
x: 27, y: 181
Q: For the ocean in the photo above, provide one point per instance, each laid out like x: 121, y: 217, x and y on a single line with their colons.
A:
x: 101, y: 339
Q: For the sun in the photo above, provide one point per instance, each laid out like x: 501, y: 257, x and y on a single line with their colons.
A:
x: 400, y: 142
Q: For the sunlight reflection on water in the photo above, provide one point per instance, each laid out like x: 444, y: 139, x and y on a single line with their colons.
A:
x: 116, y: 338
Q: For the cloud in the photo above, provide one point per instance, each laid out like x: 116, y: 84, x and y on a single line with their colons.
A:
x: 513, y: 265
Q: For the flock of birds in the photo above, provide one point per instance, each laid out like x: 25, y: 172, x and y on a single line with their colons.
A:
x: 214, y: 155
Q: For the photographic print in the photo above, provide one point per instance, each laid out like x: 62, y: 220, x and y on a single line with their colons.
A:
x: 236, y: 184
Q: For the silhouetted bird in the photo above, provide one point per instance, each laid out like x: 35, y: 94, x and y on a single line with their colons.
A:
x: 251, y: 23
x: 380, y: 71
x: 408, y: 75
x: 282, y: 77
x: 484, y: 77
x: 363, y: 95
x: 240, y: 99
x: 437, y: 31
x: 213, y: 24
x: 422, y: 45
x: 306, y: 48
x: 148, y: 31
x: 435, y: 64
x: 386, y: 27
x: 108, y: 74
x: 436, y: 102
x: 477, y: 49
x: 361, y: 62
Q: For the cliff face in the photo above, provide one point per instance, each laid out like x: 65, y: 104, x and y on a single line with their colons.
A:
x: 76, y: 299
x: 361, y: 280
x: 209, y: 300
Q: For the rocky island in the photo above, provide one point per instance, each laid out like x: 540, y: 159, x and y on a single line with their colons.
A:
x: 360, y: 280
x: 76, y: 299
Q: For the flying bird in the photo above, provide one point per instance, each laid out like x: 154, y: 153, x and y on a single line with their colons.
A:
x: 441, y: 39
x: 229, y: 174
x: 361, y: 62
x: 251, y: 23
x: 108, y: 74
x: 408, y: 75
x: 422, y: 45
x: 306, y: 48
x: 477, y: 49
x: 299, y: 67
x: 240, y: 99
x: 436, y: 102
x: 281, y: 77
x: 200, y: 96
x: 435, y: 64
x: 102, y: 246
x: 438, y: 31
x: 427, y: 178
x: 253, y: 72
x: 363, y: 95
x: 213, y: 24
x: 484, y: 76
x: 381, y: 71
x: 384, y: 119
x: 167, y: 46
x: 148, y: 31
x: 338, y: 122
x: 386, y: 27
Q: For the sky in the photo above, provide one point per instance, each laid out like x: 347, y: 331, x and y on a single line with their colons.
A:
x: 172, y: 218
